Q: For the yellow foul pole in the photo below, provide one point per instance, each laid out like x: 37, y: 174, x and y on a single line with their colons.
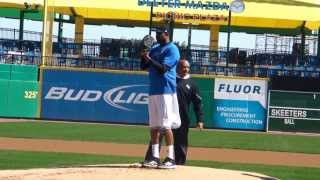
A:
x: 47, y: 32
x: 46, y: 45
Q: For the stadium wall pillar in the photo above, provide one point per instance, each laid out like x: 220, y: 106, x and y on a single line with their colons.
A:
x: 79, y: 25
x: 214, y: 37
x: 48, y: 18
x: 78, y: 36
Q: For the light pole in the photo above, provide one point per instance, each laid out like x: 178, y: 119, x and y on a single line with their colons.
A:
x: 28, y: 9
x: 189, y: 36
x: 318, y: 49
x: 228, y: 43
x: 236, y: 6
x: 60, y: 28
x: 151, y: 18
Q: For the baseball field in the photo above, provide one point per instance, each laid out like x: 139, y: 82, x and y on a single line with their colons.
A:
x: 50, y: 144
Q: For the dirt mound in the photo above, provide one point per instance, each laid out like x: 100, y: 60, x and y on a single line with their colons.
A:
x: 125, y: 172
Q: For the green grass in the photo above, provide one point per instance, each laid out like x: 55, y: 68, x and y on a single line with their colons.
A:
x: 27, y: 160
x: 76, y: 131
x: 280, y: 172
x: 140, y: 135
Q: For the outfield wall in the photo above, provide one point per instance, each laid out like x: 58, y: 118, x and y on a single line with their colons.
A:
x: 121, y: 97
x: 94, y: 96
x: 294, y: 105
x: 19, y: 91
x: 294, y: 111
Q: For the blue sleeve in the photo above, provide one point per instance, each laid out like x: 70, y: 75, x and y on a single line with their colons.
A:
x: 172, y: 56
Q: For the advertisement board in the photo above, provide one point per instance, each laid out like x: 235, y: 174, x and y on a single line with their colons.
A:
x: 298, y: 114
x: 95, y: 96
x: 240, y: 104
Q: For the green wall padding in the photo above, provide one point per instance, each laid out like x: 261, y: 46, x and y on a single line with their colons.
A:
x: 4, y: 75
x: 4, y: 89
x: 5, y: 71
x: 206, y: 88
x: 5, y: 67
x: 19, y: 91
x: 24, y: 72
x: 23, y: 99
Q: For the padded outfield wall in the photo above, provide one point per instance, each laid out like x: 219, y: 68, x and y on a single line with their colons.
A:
x: 294, y: 105
x: 122, y: 97
x: 298, y: 114
x: 19, y: 91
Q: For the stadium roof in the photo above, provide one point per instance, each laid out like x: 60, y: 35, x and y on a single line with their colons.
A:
x: 269, y: 14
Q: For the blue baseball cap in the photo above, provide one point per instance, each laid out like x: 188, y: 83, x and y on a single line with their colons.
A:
x: 162, y: 30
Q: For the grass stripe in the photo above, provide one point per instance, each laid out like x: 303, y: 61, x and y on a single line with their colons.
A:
x: 140, y: 135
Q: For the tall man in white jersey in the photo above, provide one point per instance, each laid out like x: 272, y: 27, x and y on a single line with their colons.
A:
x: 163, y: 106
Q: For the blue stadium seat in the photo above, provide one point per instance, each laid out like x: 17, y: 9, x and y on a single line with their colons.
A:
x: 313, y: 61
x: 28, y: 58
x: 261, y: 72
x: 195, y: 68
x: 222, y: 55
x: 288, y: 60
x: 274, y: 71
x: 61, y: 61
x: 1, y: 56
x: 262, y: 59
x: 308, y: 72
x: 298, y: 71
x: 277, y: 59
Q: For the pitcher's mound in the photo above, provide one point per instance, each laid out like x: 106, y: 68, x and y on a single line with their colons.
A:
x: 128, y: 172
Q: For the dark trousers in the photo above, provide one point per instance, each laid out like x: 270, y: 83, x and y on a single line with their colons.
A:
x: 180, y: 145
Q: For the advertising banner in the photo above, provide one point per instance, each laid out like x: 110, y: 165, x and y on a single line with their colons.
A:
x: 298, y: 114
x: 240, y: 104
x: 95, y: 96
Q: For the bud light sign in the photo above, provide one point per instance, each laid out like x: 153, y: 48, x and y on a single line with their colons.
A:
x: 240, y: 104
x: 93, y: 96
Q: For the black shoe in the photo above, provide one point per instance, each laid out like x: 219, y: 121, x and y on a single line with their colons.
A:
x: 180, y: 163
x: 152, y: 163
x: 168, y: 163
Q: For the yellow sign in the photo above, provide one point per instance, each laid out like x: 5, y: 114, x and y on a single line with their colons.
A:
x: 177, y: 4
x: 193, y: 17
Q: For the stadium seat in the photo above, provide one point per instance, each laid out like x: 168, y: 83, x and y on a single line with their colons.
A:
x: 195, y: 68
x: 298, y: 71
x: 222, y: 55
x: 308, y: 72
x: 261, y: 72
x: 313, y: 61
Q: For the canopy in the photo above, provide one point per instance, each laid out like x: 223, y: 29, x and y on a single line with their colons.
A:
x: 258, y: 13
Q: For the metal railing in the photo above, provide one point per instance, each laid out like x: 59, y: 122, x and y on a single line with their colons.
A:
x: 125, y: 54
x: 134, y: 64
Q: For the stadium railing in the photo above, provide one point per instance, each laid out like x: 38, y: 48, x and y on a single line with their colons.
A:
x: 124, y: 55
